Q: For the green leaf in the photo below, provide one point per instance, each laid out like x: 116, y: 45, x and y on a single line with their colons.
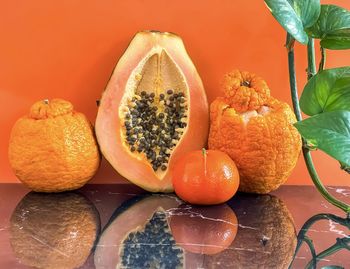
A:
x: 340, y: 43
x: 345, y: 167
x: 329, y: 90
x: 330, y: 132
x: 307, y: 10
x: 332, y: 27
x: 288, y: 18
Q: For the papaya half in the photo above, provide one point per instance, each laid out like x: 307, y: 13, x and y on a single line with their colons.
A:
x: 153, y: 110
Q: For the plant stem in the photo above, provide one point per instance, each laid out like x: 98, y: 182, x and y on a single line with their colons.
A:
x: 292, y: 76
x: 323, y: 59
x: 295, y: 99
x: 316, y: 180
x: 310, y: 222
x: 312, y: 250
x: 342, y: 243
x: 311, y: 67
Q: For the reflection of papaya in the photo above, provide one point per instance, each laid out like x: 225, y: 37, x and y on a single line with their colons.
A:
x: 266, y: 235
x: 148, y: 232
x: 205, y: 230
x: 138, y: 236
x: 54, y: 230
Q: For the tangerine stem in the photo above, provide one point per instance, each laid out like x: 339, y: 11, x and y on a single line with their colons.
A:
x: 295, y: 99
x: 204, y: 151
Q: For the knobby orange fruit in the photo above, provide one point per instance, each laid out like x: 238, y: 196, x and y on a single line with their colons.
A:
x: 256, y: 131
x: 204, y: 230
x: 205, y: 177
x: 53, y: 148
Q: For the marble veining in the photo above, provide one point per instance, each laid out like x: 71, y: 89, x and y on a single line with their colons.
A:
x: 250, y: 231
x: 342, y: 191
x: 333, y: 228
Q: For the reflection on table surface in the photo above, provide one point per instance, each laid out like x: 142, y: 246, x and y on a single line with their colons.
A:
x: 121, y: 226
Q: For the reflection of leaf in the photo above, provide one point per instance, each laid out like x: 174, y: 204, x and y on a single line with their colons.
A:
x: 340, y: 244
x: 328, y: 90
x: 332, y: 267
x: 330, y: 132
x: 332, y: 27
x: 288, y: 18
x: 307, y: 10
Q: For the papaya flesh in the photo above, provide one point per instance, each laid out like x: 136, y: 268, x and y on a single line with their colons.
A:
x: 153, y: 110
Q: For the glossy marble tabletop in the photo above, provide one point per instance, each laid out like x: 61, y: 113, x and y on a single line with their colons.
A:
x: 109, y: 226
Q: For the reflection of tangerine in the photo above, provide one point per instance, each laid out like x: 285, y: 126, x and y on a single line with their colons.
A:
x: 205, y: 230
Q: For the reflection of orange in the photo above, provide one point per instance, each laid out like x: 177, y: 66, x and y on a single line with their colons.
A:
x: 265, y: 238
x: 55, y: 231
x: 204, y: 230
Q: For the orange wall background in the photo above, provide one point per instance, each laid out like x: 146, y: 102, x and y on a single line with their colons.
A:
x: 68, y: 49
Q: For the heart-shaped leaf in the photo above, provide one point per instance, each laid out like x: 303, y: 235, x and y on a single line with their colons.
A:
x: 329, y: 90
x: 284, y: 13
x: 307, y: 10
x: 332, y: 27
x: 330, y: 132
x: 345, y: 167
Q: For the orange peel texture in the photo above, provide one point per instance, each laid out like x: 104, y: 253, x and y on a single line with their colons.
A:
x: 53, y: 148
x: 256, y: 131
x: 245, y: 91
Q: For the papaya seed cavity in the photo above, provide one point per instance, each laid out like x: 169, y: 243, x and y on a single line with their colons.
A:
x: 156, y: 112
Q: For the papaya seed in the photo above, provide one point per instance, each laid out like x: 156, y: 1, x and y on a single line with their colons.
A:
x: 152, y: 133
